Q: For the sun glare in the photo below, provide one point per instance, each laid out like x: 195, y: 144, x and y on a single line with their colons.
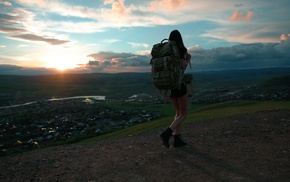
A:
x: 62, y: 61
x: 62, y: 66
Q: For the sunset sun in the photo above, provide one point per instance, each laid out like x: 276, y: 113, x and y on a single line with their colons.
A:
x: 62, y: 65
x: 62, y: 61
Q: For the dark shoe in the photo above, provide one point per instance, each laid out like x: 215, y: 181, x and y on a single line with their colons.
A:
x: 178, y: 142
x: 165, y: 136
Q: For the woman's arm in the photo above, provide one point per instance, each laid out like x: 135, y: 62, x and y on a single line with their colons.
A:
x: 185, y: 61
x: 187, y: 57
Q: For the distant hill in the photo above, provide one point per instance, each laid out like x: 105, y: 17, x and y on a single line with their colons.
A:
x: 19, y: 89
x: 282, y: 82
x: 231, y: 78
x: 27, y: 88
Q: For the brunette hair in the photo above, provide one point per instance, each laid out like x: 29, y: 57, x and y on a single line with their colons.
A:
x: 176, y: 36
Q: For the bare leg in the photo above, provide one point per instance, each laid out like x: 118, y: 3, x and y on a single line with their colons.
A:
x: 180, y: 105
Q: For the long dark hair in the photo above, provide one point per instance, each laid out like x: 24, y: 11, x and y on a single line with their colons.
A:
x: 176, y: 36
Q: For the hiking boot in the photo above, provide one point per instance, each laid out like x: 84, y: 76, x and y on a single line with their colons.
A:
x: 178, y: 142
x: 165, y: 136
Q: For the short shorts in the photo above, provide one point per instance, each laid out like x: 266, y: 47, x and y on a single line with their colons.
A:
x: 179, y: 92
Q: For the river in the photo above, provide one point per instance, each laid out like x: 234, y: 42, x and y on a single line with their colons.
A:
x: 94, y: 97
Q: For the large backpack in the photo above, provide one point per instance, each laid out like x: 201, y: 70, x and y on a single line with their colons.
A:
x: 166, y: 65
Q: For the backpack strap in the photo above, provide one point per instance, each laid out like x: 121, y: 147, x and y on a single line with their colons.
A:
x: 188, y: 59
x: 163, y: 40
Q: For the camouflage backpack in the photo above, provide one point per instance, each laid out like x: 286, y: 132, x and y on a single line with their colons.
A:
x: 166, y: 68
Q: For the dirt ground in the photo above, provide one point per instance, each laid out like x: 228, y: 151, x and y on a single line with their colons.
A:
x: 251, y: 147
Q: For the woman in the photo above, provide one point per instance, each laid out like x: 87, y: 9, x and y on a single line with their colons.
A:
x: 178, y: 97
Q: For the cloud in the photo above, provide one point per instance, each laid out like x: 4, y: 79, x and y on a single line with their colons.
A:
x: 13, y: 21
x: 70, y: 26
x: 105, y: 61
x: 113, y: 13
x: 285, y: 37
x: 118, y: 7
x: 44, y: 21
x: 11, y: 30
x: 242, y: 16
x: 242, y: 56
x: 110, y: 41
x: 5, y: 3
x: 255, y: 55
x: 108, y: 55
x: 19, y: 22
x: 40, y: 3
x: 92, y: 19
x: 31, y: 37
x: 167, y: 5
x: 238, y: 5
x: 10, y: 23
x: 22, y: 45
x: 136, y: 44
x: 82, y: 18
x: 284, y: 47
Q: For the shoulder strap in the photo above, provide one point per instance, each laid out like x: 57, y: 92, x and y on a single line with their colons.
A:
x: 163, y: 40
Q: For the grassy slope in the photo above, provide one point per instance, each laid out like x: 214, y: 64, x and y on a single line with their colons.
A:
x: 197, y: 113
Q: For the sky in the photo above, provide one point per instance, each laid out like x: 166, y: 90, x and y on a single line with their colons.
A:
x: 110, y: 36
